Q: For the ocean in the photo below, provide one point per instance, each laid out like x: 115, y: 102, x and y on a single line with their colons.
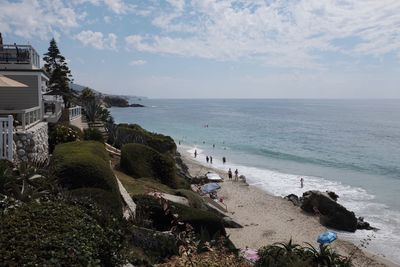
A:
x: 351, y: 147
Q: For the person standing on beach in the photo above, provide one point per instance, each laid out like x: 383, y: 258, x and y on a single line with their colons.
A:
x: 223, y: 160
x: 207, y: 159
x: 211, y: 159
x: 230, y: 174
x: 236, y: 175
x: 195, y: 153
x: 301, y: 182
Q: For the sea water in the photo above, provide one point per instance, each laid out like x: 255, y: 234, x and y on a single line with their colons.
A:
x: 351, y: 147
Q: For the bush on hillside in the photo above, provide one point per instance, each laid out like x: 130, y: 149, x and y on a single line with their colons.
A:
x: 108, y: 202
x: 143, y: 161
x: 93, y: 134
x: 84, y: 164
x: 133, y: 133
x: 56, y: 234
x: 60, y: 133
x: 152, y: 215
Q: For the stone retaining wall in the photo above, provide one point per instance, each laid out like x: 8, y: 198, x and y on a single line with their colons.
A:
x: 32, y: 145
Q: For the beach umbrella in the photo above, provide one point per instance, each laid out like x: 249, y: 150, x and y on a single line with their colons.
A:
x: 210, y: 188
x: 326, y: 237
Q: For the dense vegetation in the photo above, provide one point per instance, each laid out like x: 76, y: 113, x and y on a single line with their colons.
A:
x: 60, y: 133
x: 93, y: 134
x: 55, y: 234
x: 83, y: 164
x: 143, y: 161
x: 133, y: 133
x: 293, y: 255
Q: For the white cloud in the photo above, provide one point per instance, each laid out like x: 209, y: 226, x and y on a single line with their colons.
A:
x: 28, y: 18
x: 279, y: 33
x: 118, y: 6
x: 178, y: 4
x: 137, y: 62
x: 98, y: 40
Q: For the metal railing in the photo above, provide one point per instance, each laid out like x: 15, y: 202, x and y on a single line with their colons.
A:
x: 19, y: 54
x: 6, y: 138
x: 75, y: 112
x: 24, y: 118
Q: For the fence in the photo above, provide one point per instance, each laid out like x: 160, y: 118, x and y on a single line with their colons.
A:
x: 6, y: 138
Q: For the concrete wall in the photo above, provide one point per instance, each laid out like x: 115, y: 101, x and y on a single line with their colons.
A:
x: 32, y: 144
x: 21, y: 98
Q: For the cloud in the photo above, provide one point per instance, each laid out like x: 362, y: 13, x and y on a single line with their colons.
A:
x: 117, y: 6
x: 97, y: 40
x: 178, y: 4
x: 137, y: 62
x: 29, y: 18
x: 280, y: 33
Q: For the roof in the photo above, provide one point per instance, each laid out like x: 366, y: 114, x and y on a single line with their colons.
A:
x: 7, y: 82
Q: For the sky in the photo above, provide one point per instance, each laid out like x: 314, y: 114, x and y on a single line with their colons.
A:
x: 219, y: 48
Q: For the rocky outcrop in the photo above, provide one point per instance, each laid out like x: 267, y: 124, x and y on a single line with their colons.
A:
x: 363, y: 225
x: 331, y: 213
x: 294, y: 199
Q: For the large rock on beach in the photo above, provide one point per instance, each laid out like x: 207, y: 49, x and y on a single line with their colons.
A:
x: 294, y: 199
x: 331, y: 213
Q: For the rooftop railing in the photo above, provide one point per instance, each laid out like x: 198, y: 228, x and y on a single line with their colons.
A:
x: 19, y: 54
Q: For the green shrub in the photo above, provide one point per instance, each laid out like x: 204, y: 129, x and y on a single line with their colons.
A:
x: 143, y: 161
x: 55, y: 234
x: 293, y: 255
x: 63, y: 133
x: 84, y: 164
x: 93, y: 134
x: 108, y: 202
x: 133, y: 133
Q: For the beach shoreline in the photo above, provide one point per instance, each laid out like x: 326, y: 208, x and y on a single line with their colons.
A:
x: 267, y: 219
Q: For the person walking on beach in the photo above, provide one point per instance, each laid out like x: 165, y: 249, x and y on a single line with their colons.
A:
x: 230, y: 174
x: 195, y: 153
x: 301, y: 182
x: 211, y: 159
x: 207, y: 159
x: 236, y: 175
x: 223, y: 160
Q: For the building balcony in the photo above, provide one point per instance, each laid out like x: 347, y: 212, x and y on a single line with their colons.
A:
x: 24, y: 118
x: 18, y: 57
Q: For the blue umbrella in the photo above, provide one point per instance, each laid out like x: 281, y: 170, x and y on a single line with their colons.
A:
x: 210, y: 187
x: 326, y: 237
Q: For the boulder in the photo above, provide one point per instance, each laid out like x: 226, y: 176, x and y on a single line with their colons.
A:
x: 331, y: 213
x: 294, y: 199
x: 363, y: 225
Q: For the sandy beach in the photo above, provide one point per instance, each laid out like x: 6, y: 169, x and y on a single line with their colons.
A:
x: 267, y: 219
